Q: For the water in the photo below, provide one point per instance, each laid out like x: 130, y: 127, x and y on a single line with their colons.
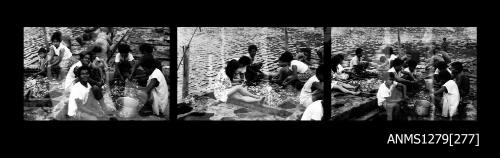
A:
x: 211, y: 48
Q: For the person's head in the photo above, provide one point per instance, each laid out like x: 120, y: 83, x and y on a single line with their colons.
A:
x: 252, y: 50
x: 359, y: 52
x: 444, y: 76
x: 441, y: 66
x: 383, y: 59
x: 412, y: 64
x: 285, y: 59
x: 244, y: 61
x: 124, y: 49
x: 389, y: 78
x: 42, y: 52
x: 56, y: 39
x: 149, y: 65
x: 231, y: 68
x: 83, y: 73
x: 85, y: 58
x: 146, y: 49
x: 397, y: 64
x: 96, y: 50
x: 320, y: 72
x: 456, y: 67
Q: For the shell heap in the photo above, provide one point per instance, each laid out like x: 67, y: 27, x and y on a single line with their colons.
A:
x: 39, y: 87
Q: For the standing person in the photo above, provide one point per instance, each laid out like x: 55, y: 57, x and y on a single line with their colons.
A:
x: 43, y: 62
x: 356, y: 60
x: 338, y: 76
x: 71, y: 76
x: 451, y: 95
x: 123, y: 62
x: 397, y: 67
x: 388, y: 98
x: 463, y: 84
x: 224, y: 88
x: 243, y: 62
x: 156, y: 90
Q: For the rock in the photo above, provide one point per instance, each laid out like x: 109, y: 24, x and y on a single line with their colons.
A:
x: 197, y: 116
x: 241, y: 110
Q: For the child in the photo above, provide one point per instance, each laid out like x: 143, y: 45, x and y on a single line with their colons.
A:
x: 387, y: 95
x: 313, y: 112
x: 123, y: 62
x: 356, y: 59
x: 292, y: 71
x: 315, y: 83
x: 385, y: 64
x: 451, y: 95
x: 337, y: 75
x: 43, y: 62
x: 392, y: 56
x: 253, y: 74
x: 62, y: 52
x: 463, y: 84
x: 397, y: 67
x: 71, y: 76
x: 156, y: 90
x: 440, y: 66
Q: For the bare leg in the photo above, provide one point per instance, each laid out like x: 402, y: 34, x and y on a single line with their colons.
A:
x: 334, y: 86
x: 242, y: 91
x: 247, y: 99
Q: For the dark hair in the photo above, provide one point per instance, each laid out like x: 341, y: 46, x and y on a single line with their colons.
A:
x: 96, y: 49
x: 286, y: 57
x: 457, y: 66
x: 149, y: 63
x: 391, y: 51
x: 82, y: 54
x: 146, y: 48
x: 253, y: 46
x: 78, y: 71
x: 320, y: 70
x: 412, y: 63
x: 123, y: 48
x: 444, y: 76
x: 444, y: 39
x: 56, y: 36
x: 336, y: 61
x: 42, y: 50
x: 86, y: 37
x: 231, y: 68
x: 359, y: 51
x: 244, y: 61
x: 435, y: 50
x: 397, y: 62
x: 441, y: 65
x: 392, y: 76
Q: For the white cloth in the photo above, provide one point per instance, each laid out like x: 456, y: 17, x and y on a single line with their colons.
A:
x: 354, y: 61
x: 384, y: 92
x: 301, y: 67
x: 305, y: 96
x: 67, y: 53
x: 78, y: 92
x: 71, y: 77
x: 118, y: 57
x: 398, y: 74
x: 313, y: 111
x: 451, y: 99
x: 340, y: 68
x: 392, y: 57
x: 160, y: 93
x: 437, y: 71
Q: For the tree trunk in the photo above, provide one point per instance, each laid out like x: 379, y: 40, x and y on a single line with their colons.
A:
x: 185, y: 80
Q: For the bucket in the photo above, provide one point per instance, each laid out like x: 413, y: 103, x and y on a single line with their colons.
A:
x: 422, y: 107
x: 129, y: 107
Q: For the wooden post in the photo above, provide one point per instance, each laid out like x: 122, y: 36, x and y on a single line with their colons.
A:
x: 185, y: 80
x: 327, y: 45
x: 286, y: 39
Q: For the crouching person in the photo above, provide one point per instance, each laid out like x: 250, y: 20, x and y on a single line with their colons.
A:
x: 388, y: 98
x: 156, y: 90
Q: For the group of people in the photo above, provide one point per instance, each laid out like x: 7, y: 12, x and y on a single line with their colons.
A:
x: 86, y: 82
x: 400, y: 80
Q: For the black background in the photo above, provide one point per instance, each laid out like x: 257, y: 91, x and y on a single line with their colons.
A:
x: 235, y: 139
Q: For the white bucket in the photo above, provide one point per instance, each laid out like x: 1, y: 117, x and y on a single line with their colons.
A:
x: 129, y: 107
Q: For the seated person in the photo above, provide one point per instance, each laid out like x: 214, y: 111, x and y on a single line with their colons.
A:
x: 315, y: 83
x: 59, y: 58
x: 123, y: 62
x: 463, y: 84
x: 71, y: 76
x: 397, y: 67
x: 81, y: 105
x: 253, y: 73
x: 387, y: 97
x: 224, y: 87
x: 410, y: 75
x: 357, y: 59
x: 392, y: 56
x: 156, y: 90
x: 292, y: 71
x: 43, y: 62
x: 243, y: 62
x: 147, y: 56
x: 451, y: 95
x: 384, y: 66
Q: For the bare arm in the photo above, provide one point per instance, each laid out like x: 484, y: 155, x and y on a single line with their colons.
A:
x: 153, y: 84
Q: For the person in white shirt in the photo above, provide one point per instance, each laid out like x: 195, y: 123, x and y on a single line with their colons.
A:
x: 397, y: 67
x: 451, y: 95
x: 356, y: 59
x: 292, y: 71
x: 156, y: 90
x: 71, y: 77
x: 313, y: 112
x: 81, y: 102
x: 313, y: 88
x: 337, y: 76
x: 59, y: 56
x: 387, y: 95
x: 123, y: 62
x: 392, y: 56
